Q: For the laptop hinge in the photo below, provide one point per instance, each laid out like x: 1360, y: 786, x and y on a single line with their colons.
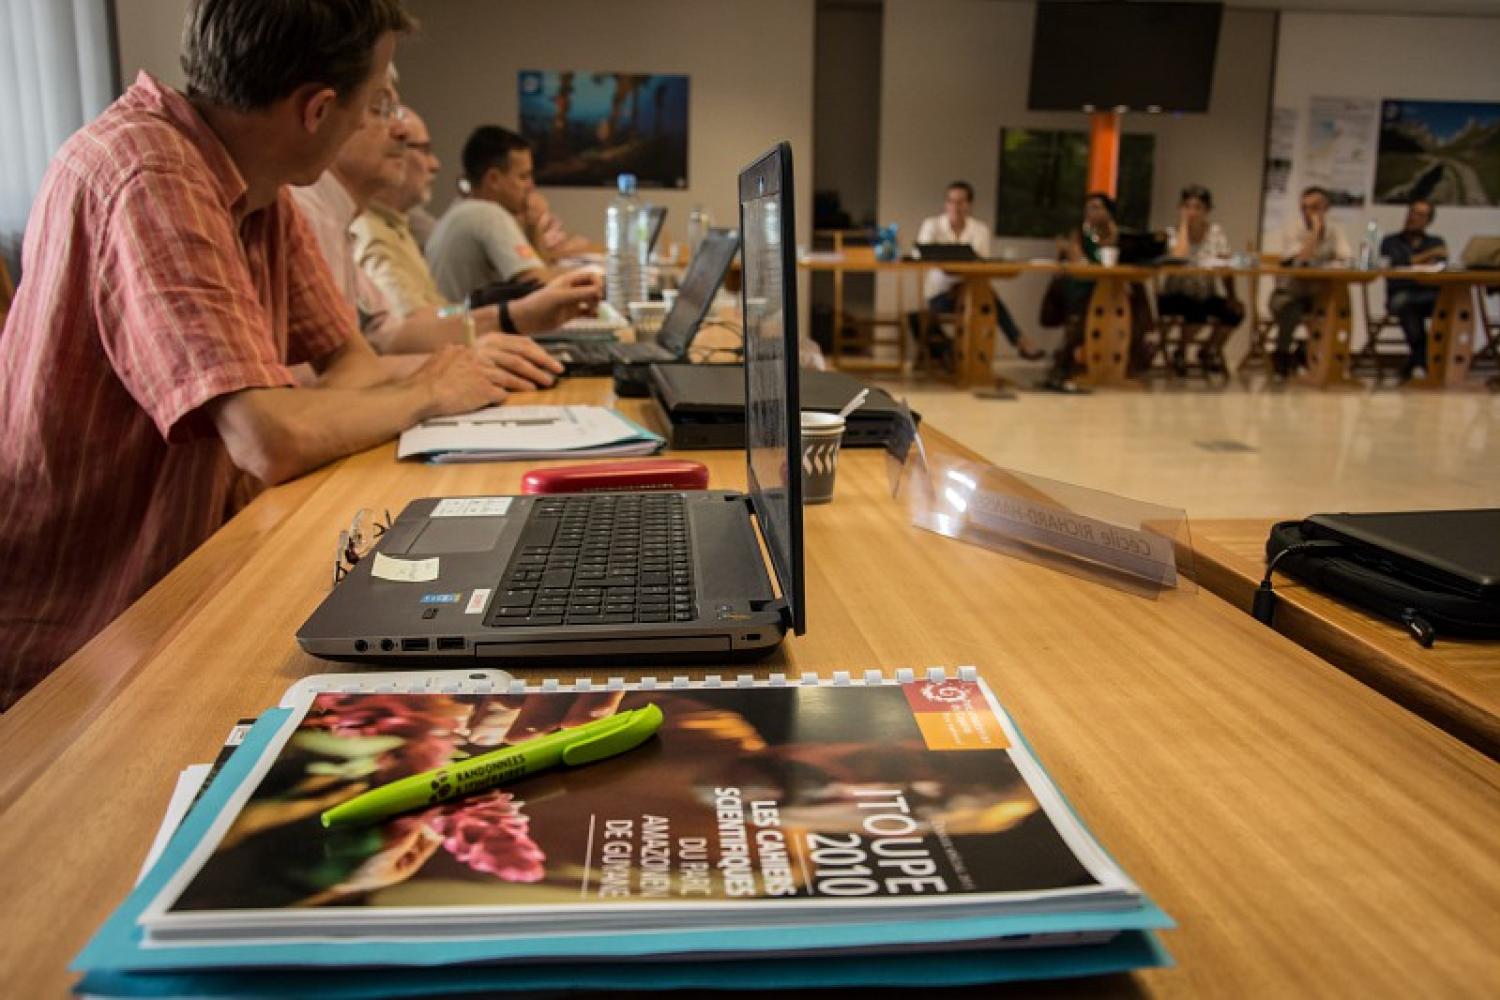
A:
x: 779, y: 605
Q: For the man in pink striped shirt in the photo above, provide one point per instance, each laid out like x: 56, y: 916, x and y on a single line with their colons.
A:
x: 169, y: 283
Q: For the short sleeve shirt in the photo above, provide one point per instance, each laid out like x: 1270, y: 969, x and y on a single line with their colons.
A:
x: 1212, y: 249
x: 938, y: 229
x: 147, y: 291
x: 330, y: 212
x: 477, y: 243
x: 388, y: 255
x: 1399, y: 248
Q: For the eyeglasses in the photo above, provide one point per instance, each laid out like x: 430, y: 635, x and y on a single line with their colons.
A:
x: 386, y: 108
x: 356, y: 541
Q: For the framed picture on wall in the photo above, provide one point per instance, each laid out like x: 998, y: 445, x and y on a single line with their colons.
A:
x: 1445, y: 151
x: 1043, y: 175
x: 586, y: 129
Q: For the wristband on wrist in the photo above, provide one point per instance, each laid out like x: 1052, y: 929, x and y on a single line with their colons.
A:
x: 507, y: 324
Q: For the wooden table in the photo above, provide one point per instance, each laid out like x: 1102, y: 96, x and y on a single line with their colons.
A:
x: 1308, y: 834
x: 1455, y: 684
x: 1107, y: 332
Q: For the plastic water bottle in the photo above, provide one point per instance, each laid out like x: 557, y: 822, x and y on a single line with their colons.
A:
x: 1370, y: 253
x: 624, y: 271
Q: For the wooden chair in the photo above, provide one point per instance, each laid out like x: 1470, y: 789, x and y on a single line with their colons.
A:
x: 1263, y: 328
x: 1370, y: 359
x: 854, y: 337
x: 1487, y: 355
x: 1171, y: 336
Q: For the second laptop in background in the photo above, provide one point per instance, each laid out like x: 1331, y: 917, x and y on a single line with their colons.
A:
x: 694, y: 300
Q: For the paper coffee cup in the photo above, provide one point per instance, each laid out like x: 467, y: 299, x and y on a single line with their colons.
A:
x: 822, y: 433
x: 1109, y: 256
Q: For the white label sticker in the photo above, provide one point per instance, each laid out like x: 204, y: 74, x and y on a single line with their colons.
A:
x: 477, y: 601
x: 472, y: 507
x: 404, y: 570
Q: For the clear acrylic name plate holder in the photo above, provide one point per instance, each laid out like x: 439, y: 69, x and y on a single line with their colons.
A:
x: 1142, y: 548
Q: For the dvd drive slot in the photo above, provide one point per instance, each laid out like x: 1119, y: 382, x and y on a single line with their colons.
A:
x: 604, y: 647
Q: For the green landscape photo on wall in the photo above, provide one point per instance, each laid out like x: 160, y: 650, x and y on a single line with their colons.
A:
x: 1445, y: 151
x: 1043, y: 175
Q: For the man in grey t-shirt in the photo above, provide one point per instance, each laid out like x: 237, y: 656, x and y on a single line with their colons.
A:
x: 479, y: 241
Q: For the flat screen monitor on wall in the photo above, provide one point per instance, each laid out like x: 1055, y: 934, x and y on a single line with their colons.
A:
x: 1142, y: 56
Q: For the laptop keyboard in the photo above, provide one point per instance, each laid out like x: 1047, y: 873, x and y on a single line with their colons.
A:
x: 599, y: 560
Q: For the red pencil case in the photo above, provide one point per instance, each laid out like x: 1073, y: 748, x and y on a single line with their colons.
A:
x: 613, y: 477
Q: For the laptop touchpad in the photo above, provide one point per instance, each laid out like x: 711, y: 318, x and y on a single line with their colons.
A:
x: 457, y: 534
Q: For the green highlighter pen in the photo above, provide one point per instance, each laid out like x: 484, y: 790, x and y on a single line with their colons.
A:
x: 584, y: 744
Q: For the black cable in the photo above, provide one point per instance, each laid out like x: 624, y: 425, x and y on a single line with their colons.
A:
x: 1263, y: 604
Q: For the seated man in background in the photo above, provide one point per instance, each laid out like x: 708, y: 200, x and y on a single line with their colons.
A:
x: 546, y: 232
x: 1198, y: 241
x: 170, y: 283
x: 958, y: 225
x: 1412, y: 302
x: 373, y: 161
x: 479, y: 241
x: 1308, y: 240
x: 385, y: 248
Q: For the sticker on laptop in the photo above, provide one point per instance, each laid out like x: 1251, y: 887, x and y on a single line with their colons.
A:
x: 471, y: 507
x: 385, y: 567
x: 477, y: 601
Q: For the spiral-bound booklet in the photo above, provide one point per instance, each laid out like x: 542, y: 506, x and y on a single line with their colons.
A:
x: 757, y: 804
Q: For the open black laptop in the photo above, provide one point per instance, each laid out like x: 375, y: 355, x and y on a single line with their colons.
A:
x: 694, y: 299
x: 616, y: 576
x: 945, y: 252
x: 1455, y: 549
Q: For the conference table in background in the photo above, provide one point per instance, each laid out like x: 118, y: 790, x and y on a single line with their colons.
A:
x: 1457, y: 332
x: 1307, y: 833
x: 1455, y: 683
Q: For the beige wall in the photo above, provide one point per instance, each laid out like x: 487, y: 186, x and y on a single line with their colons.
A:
x: 846, y: 120
x: 149, y: 33
x: 750, y: 64
x: 957, y: 71
x: 1411, y: 58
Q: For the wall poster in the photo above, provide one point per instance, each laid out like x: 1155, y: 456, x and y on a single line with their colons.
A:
x: 1446, y: 151
x: 587, y: 128
x: 1340, y: 147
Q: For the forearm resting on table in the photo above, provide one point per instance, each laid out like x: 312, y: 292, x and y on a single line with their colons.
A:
x: 279, y: 434
x: 424, y: 330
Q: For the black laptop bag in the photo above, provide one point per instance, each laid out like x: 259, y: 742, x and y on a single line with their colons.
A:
x: 1425, y: 609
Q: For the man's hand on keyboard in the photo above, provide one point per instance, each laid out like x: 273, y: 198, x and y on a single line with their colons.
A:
x: 565, y: 297
x: 521, y: 361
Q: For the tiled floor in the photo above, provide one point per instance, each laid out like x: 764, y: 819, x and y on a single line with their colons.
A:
x: 1304, y: 450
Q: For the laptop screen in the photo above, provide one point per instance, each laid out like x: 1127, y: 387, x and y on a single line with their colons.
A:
x: 773, y: 440
x: 699, y: 286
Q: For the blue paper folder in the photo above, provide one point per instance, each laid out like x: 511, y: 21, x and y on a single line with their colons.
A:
x: 116, y: 961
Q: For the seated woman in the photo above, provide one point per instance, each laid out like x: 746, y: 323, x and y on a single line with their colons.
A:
x: 1196, y: 298
x: 1080, y: 247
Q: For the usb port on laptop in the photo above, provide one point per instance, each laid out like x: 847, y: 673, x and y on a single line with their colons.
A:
x: 414, y: 645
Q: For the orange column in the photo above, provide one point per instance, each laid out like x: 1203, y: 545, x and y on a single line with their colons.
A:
x: 1104, y: 151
